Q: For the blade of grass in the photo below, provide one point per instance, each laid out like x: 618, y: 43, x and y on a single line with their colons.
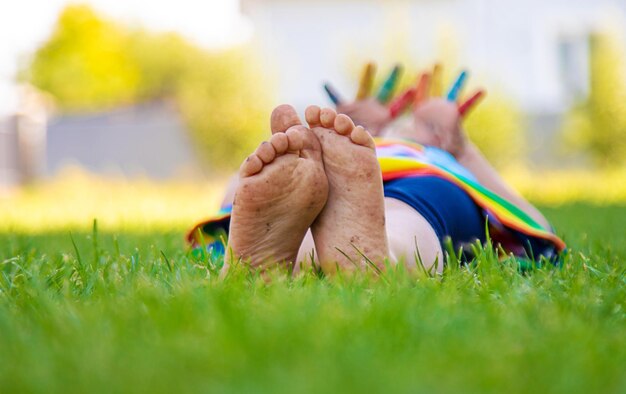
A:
x: 167, y: 261
x: 78, y: 258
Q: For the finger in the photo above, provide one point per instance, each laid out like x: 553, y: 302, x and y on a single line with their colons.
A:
x: 332, y: 94
x: 422, y: 89
x: 367, y: 79
x: 387, y: 89
x: 471, y: 102
x: 283, y: 117
x: 402, y: 102
x: 436, y: 84
x: 455, y: 90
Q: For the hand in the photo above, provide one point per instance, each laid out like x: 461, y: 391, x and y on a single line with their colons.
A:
x: 373, y: 113
x: 369, y: 113
x: 432, y: 126
x: 438, y: 121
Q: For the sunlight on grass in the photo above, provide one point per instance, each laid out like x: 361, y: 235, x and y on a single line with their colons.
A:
x: 110, y: 311
x: 561, y: 187
x: 75, y: 198
x: 118, y: 312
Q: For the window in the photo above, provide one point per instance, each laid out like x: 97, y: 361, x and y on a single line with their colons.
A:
x: 573, y: 63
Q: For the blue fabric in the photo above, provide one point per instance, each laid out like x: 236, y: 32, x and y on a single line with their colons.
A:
x: 449, y: 209
x: 440, y: 158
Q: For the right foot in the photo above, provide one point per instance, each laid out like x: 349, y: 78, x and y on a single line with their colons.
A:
x: 352, y: 223
x: 282, y: 189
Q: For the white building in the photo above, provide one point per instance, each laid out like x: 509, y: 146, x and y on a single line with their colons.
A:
x: 534, y: 51
x: 23, y: 139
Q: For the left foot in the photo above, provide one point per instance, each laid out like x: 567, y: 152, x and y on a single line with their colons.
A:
x: 353, y: 219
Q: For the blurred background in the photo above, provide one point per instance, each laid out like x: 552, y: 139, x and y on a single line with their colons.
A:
x: 102, y: 97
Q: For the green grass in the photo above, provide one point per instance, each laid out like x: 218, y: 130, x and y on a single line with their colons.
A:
x: 137, y: 313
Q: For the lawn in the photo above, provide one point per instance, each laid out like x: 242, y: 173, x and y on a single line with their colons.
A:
x: 131, y: 310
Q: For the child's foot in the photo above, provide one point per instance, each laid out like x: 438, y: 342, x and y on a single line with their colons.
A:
x: 354, y: 215
x: 281, y: 191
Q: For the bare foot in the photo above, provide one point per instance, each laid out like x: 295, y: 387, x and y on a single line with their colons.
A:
x: 282, y: 188
x: 354, y: 215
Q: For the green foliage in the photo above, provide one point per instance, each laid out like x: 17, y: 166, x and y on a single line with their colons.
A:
x: 90, y: 63
x: 85, y: 63
x: 100, y: 312
x: 597, y: 126
x: 224, y: 105
x: 496, y: 127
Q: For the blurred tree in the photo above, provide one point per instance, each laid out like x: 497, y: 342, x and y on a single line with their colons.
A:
x: 90, y: 63
x: 598, y: 125
x: 163, y: 60
x: 224, y: 105
x: 85, y: 63
x: 496, y: 127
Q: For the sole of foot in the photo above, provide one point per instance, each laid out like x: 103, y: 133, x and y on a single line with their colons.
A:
x: 282, y: 189
x: 349, y: 233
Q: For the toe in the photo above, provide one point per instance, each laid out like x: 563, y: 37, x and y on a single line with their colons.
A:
x: 266, y: 152
x: 295, y: 136
x: 280, y: 143
x: 305, y: 142
x: 343, y: 124
x: 251, y: 166
x: 360, y: 136
x: 283, y: 117
x: 312, y: 115
x: 327, y: 117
